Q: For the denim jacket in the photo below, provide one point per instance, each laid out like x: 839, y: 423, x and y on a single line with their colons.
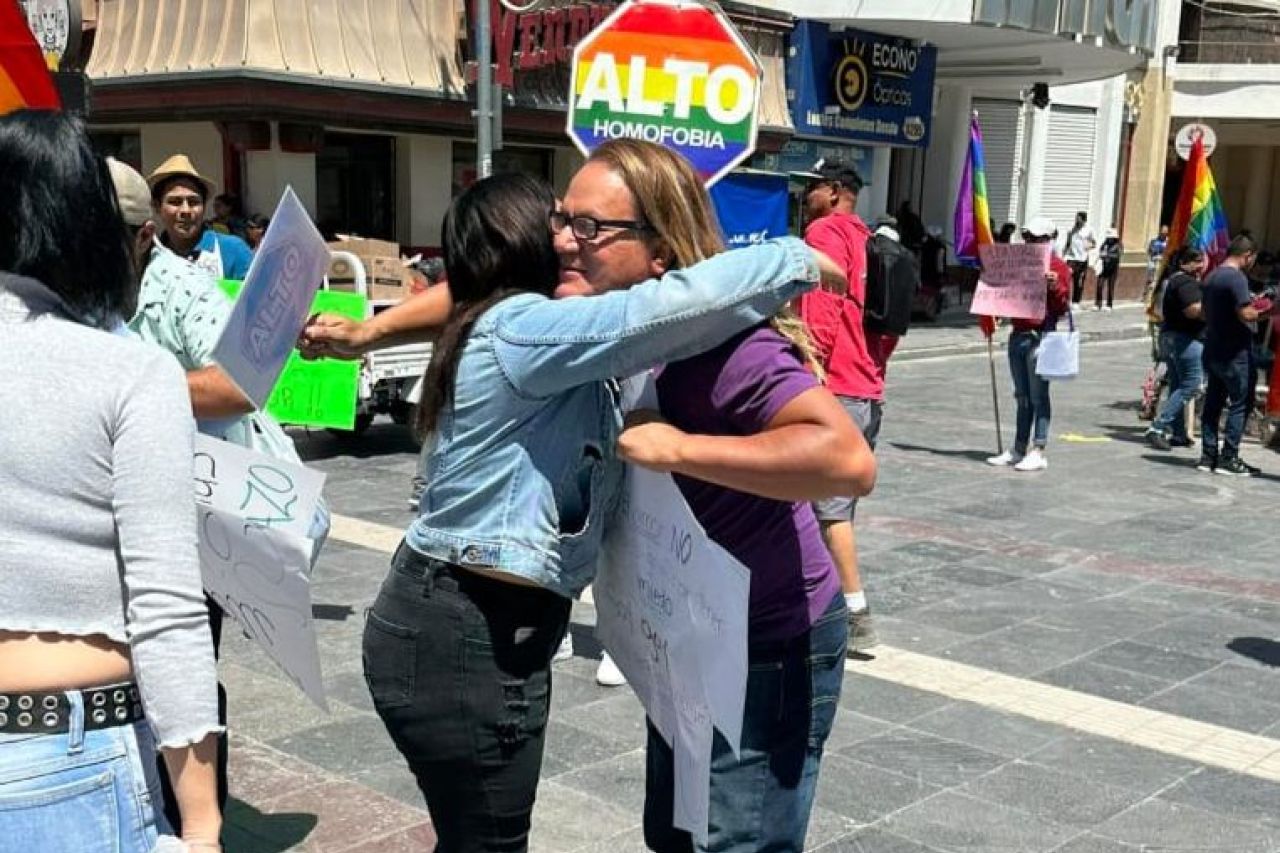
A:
x: 522, y: 473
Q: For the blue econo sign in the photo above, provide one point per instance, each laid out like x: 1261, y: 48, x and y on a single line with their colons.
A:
x: 860, y: 86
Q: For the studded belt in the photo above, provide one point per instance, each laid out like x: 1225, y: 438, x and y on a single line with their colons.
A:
x: 50, y: 713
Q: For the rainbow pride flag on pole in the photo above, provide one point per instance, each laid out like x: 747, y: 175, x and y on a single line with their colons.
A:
x: 1199, y: 220
x: 973, y: 213
x: 24, y: 77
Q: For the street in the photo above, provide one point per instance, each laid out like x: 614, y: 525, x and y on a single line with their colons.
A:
x: 1082, y: 660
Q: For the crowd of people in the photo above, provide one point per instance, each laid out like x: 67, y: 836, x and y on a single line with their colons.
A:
x: 770, y: 391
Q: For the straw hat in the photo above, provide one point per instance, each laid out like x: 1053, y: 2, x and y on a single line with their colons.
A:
x: 180, y: 165
x: 132, y: 191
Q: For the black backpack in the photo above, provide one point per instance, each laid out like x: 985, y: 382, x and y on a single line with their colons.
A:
x: 892, y: 281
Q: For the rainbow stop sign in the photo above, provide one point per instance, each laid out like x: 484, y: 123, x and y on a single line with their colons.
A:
x: 672, y: 72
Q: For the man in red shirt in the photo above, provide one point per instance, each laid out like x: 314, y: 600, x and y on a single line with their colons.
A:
x: 853, y: 359
x: 1031, y: 391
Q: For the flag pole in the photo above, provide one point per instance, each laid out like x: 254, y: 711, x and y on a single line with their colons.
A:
x: 995, y: 392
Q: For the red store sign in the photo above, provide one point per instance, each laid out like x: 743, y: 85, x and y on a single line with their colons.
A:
x: 538, y: 39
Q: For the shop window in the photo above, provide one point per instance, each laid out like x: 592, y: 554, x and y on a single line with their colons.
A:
x: 525, y: 161
x: 356, y: 186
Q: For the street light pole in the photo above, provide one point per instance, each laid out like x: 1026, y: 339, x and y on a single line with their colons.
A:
x: 483, y: 112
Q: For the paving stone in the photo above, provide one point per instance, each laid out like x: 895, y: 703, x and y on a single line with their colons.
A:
x: 1049, y: 794
x: 850, y: 727
x: 1214, y: 706
x: 569, y: 748
x: 1142, y: 658
x: 884, y: 700
x: 1157, y: 823
x: 1245, y: 682
x: 1232, y: 794
x: 1103, y: 583
x: 395, y: 780
x: 628, y: 841
x: 348, y: 814
x: 559, y: 824
x: 245, y: 829
x: 913, y: 635
x: 1090, y: 843
x: 419, y: 838
x: 926, y: 757
x: 1116, y: 616
x: 257, y: 772
x: 618, y: 717
x: 865, y: 793
x: 1010, y: 735
x: 347, y: 746
x: 952, y: 822
x: 975, y: 615
x: 1121, y: 764
x: 1106, y: 681
x: 1025, y: 648
x: 875, y: 841
x: 613, y: 780
x: 1207, y: 634
x: 826, y: 826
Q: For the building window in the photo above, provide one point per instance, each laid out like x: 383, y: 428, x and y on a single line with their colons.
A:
x: 525, y: 161
x: 356, y: 186
x: 124, y: 145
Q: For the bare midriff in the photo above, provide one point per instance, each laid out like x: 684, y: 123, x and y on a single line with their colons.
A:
x: 50, y: 662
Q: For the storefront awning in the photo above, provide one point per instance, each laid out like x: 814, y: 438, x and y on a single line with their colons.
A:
x: 403, y: 44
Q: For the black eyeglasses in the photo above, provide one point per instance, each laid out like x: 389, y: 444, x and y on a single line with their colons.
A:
x: 588, y: 227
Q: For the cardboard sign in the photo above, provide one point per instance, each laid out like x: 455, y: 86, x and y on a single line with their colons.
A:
x: 263, y: 328
x: 319, y: 393
x: 674, y: 73
x: 253, y: 561
x: 1012, y: 283
x: 672, y: 611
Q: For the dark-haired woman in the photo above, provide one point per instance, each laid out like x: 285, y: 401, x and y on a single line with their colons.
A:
x: 104, y: 640
x: 524, y: 419
x: 1181, y: 346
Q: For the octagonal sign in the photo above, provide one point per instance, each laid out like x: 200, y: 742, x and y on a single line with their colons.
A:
x: 674, y: 72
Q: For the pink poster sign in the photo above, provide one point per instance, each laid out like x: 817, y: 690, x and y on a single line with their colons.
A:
x: 1012, y: 283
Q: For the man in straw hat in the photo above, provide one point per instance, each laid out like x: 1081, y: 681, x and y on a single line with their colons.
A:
x: 178, y: 197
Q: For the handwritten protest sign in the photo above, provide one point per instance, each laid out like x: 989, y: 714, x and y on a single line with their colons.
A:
x: 320, y: 393
x: 263, y: 327
x: 253, y: 560
x: 1012, y: 282
x: 672, y: 611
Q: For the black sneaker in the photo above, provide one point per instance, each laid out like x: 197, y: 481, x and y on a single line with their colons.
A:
x: 1207, y: 464
x: 1233, y: 467
x: 1158, y: 440
x: 1181, y: 442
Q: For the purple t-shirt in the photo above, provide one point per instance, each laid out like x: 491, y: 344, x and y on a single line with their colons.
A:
x: 736, y: 389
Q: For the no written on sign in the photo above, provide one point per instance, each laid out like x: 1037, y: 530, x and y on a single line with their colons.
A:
x: 1012, y: 283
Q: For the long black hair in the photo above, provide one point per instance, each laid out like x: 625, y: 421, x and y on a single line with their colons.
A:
x: 497, y: 243
x: 60, y: 223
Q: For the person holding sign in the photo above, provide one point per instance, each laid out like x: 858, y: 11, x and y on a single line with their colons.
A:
x: 522, y: 412
x: 105, y: 652
x: 752, y: 438
x: 1031, y: 391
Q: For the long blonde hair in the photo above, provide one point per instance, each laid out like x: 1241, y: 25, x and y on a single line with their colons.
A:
x: 671, y: 198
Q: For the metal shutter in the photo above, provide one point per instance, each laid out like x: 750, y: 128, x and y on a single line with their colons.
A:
x: 1003, y: 135
x: 1067, y: 185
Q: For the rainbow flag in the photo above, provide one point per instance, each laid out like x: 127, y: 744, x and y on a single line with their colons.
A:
x: 710, y: 120
x: 973, y: 214
x: 1198, y: 220
x: 24, y: 77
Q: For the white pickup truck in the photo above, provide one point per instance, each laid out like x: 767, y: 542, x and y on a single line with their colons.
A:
x: 389, y: 378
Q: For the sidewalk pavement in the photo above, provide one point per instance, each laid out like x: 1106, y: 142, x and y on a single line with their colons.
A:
x: 956, y: 332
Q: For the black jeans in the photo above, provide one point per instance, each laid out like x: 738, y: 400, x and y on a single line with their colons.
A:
x: 1107, y: 282
x: 1233, y: 383
x: 459, y: 667
x: 1079, y: 269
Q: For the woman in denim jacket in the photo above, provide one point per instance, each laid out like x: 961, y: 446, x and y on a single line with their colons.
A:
x: 521, y: 472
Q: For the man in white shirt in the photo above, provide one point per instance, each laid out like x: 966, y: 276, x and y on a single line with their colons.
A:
x: 1080, y: 242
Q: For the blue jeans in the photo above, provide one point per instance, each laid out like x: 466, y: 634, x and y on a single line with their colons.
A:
x: 1231, y: 385
x: 1182, y: 353
x: 1029, y: 390
x: 761, y: 802
x: 80, y: 792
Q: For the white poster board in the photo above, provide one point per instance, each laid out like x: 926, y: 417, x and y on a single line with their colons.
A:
x: 1012, y: 282
x: 253, y: 560
x: 672, y: 611
x: 274, y: 304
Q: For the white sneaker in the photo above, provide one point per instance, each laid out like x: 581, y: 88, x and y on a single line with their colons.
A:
x: 608, y: 674
x: 1005, y: 459
x: 566, y: 648
x: 1106, y: 308
x: 1033, y: 461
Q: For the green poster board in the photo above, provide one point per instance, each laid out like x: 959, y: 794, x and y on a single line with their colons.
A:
x: 317, y: 393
